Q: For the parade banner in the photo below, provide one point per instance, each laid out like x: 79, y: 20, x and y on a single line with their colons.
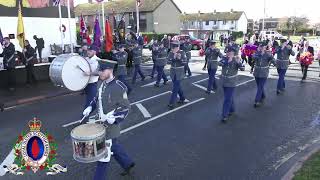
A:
x: 35, y: 8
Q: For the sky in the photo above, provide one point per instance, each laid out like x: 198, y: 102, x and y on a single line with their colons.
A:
x: 252, y: 8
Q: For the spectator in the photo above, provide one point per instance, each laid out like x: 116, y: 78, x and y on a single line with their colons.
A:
x: 9, y: 62
x: 140, y: 40
x: 40, y: 46
x: 29, y: 56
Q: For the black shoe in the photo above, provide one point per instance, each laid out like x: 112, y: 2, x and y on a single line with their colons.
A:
x: 142, y: 79
x: 156, y: 85
x: 127, y: 171
x: 171, y: 106
x: 224, y: 120
x: 230, y: 114
x: 1, y: 107
x: 257, y: 104
x: 278, y: 92
x: 189, y: 75
x: 181, y: 101
x: 165, y: 82
x: 151, y: 77
x: 208, y: 92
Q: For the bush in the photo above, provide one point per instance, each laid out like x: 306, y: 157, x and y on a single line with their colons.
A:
x: 151, y: 35
x: 236, y: 35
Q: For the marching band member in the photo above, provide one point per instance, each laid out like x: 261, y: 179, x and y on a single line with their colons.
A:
x: 186, y: 46
x: 283, y: 54
x: 262, y: 59
x: 212, y: 54
x: 154, y: 48
x: 113, y: 107
x: 232, y: 45
x: 160, y: 62
x: 121, y: 57
x: 177, y: 59
x: 137, y: 59
x: 91, y: 89
x: 230, y: 65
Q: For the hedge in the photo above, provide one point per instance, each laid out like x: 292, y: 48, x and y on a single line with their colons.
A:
x: 151, y: 35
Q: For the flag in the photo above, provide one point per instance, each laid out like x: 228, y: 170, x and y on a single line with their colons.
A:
x: 56, y: 2
x: 139, y: 3
x: 97, y: 34
x: 1, y: 37
x: 83, y: 27
x: 20, y: 28
x: 109, y: 38
x: 84, y: 31
x: 122, y: 30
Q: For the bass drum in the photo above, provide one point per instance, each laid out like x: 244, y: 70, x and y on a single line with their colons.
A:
x: 67, y: 70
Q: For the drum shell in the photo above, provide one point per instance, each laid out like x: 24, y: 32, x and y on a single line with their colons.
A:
x: 95, y: 143
x: 58, y: 66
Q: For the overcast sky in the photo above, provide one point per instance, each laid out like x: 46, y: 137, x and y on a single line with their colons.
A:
x: 253, y: 8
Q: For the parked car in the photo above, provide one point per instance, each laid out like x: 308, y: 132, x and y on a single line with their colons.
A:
x: 269, y: 34
x: 196, y: 43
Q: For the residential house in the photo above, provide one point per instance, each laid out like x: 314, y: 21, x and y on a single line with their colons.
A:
x: 199, y: 24
x: 159, y: 16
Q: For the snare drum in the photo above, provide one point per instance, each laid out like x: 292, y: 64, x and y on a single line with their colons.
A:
x: 67, y: 70
x: 89, y: 143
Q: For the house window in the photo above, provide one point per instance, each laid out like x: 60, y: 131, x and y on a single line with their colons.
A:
x: 224, y: 22
x: 207, y: 23
x: 215, y: 22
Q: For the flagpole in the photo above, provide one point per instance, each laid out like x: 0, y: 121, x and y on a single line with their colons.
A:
x: 138, y: 20
x: 103, y: 18
x: 61, y: 33
x: 69, y: 19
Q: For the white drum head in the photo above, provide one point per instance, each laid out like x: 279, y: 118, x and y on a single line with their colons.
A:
x: 72, y: 76
x: 88, y: 131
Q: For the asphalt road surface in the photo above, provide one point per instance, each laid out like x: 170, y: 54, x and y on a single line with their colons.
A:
x: 189, y: 142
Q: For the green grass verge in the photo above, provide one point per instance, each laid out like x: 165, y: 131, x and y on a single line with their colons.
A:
x: 310, y: 170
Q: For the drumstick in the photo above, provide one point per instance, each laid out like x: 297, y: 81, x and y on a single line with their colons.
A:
x: 80, y: 68
x: 76, y: 122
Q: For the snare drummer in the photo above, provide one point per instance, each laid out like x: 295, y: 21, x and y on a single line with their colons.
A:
x: 113, y: 108
x: 91, y: 89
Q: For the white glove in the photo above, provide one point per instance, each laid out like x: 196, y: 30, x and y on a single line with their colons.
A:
x: 110, y: 117
x: 87, y: 111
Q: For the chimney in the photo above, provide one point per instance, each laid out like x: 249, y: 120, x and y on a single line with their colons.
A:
x: 215, y: 11
x: 231, y: 10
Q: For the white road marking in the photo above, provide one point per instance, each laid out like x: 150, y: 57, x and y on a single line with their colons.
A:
x: 169, y: 80
x: 283, y: 160
x: 140, y: 101
x: 159, y: 116
x: 201, y: 87
x: 245, y: 82
x: 154, y: 82
x: 143, y: 110
x: 7, y: 161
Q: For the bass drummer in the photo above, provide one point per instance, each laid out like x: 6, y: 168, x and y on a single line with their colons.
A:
x: 91, y: 89
x: 113, y: 108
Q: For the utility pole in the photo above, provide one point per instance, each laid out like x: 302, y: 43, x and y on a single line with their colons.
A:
x: 264, y: 13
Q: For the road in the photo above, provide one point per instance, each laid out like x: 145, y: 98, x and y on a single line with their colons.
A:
x: 189, y: 142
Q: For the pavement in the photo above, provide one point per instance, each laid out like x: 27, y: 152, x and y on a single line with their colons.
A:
x: 189, y: 142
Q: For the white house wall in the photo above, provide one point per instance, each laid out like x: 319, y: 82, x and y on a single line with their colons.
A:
x: 47, y: 28
x: 243, y: 24
x: 167, y: 18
